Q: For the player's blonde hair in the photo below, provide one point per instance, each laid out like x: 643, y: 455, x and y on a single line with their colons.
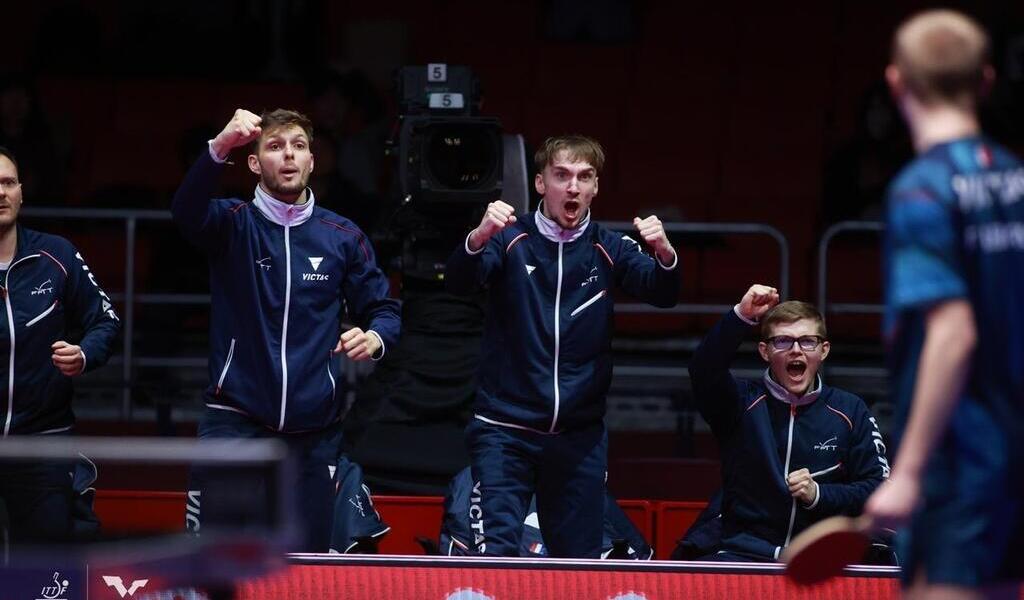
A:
x: 942, y: 56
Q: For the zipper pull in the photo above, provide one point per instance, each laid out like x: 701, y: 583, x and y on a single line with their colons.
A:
x: 792, y: 410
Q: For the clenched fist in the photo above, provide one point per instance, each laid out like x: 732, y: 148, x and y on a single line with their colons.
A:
x: 68, y: 358
x: 802, y: 486
x: 653, y: 233
x: 758, y: 300
x: 243, y: 128
x: 497, y: 217
x: 358, y: 344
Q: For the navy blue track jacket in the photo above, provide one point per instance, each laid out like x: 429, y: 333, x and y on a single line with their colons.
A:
x: 763, y: 439
x: 278, y: 296
x: 49, y: 294
x: 547, y: 362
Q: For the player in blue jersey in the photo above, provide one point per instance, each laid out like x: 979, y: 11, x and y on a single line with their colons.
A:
x: 954, y: 264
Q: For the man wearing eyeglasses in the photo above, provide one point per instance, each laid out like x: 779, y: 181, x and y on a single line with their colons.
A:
x: 47, y: 292
x: 794, y: 450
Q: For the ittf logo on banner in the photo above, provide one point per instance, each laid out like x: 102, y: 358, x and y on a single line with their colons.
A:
x: 118, y: 585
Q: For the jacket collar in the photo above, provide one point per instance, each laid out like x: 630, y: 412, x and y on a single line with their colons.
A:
x: 781, y: 393
x: 282, y: 213
x: 553, y: 231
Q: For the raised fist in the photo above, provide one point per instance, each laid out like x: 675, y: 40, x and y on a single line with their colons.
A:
x: 653, y: 233
x: 243, y: 128
x: 497, y: 217
x: 758, y: 300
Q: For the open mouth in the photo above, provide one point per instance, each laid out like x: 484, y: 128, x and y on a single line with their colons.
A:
x: 572, y: 208
x: 796, y: 368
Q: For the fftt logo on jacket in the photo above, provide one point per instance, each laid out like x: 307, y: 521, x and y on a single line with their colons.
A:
x: 45, y: 287
x: 115, y: 582
x: 315, y: 261
x: 829, y: 444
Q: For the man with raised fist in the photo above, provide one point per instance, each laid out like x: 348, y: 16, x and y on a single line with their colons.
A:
x: 283, y: 271
x: 794, y: 450
x: 547, y: 360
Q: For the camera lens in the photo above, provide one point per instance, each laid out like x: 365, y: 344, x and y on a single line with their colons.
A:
x: 462, y: 157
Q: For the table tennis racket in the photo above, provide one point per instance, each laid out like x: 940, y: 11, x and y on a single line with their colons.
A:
x: 822, y: 550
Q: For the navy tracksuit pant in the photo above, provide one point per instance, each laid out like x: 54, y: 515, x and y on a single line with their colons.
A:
x: 37, y: 497
x: 236, y: 498
x: 566, y: 471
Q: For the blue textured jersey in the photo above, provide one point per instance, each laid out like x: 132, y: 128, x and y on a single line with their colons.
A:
x: 956, y: 231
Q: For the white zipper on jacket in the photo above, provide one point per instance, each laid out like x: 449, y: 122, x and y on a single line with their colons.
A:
x: 558, y: 302
x: 10, y: 328
x: 227, y: 365
x: 785, y: 474
x: 284, y: 325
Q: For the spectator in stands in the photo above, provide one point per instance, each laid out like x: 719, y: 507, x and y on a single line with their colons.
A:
x: 955, y: 286
x: 794, y: 450
x: 282, y: 273
x: 546, y: 366
x: 49, y: 293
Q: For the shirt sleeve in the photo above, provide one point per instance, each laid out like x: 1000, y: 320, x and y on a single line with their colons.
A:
x: 640, y: 275
x: 91, y: 310
x: 467, y: 271
x: 717, y: 394
x: 367, y: 293
x: 201, y: 220
x: 866, y: 464
x: 923, y: 249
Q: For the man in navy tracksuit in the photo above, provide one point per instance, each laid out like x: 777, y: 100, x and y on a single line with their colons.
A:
x: 47, y: 292
x: 794, y: 450
x: 282, y: 273
x: 547, y: 361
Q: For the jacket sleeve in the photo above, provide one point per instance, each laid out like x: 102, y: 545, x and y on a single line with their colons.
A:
x: 867, y: 466
x: 201, y: 221
x: 641, y: 275
x: 716, y: 392
x: 366, y: 290
x: 467, y: 272
x: 90, y: 311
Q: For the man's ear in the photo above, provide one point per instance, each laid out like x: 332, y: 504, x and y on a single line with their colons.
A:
x: 894, y: 79
x: 538, y: 183
x: 254, y: 164
x: 825, y: 347
x: 988, y: 80
x: 762, y: 349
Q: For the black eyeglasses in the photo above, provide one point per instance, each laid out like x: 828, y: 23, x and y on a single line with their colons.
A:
x: 785, y: 342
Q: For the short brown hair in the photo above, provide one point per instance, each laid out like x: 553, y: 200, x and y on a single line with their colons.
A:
x: 942, y: 56
x: 790, y: 312
x: 579, y: 147
x: 281, y: 117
